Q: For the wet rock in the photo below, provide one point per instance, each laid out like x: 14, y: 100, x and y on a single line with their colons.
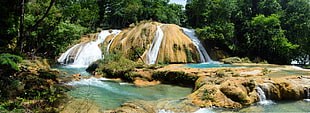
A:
x: 231, y: 60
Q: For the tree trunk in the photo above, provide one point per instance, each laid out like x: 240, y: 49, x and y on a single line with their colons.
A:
x: 21, y: 28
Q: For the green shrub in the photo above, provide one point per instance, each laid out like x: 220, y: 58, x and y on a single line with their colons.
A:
x: 236, y: 75
x: 231, y: 60
x: 116, y: 68
x: 307, y: 67
x: 189, y: 57
x: 263, y: 62
x: 207, y: 95
x: 10, y: 61
x: 246, y: 60
x: 220, y: 73
x: 200, y: 85
x: 265, y: 71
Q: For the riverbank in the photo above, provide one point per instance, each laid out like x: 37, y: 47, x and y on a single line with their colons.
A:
x: 31, y: 87
x: 234, y: 86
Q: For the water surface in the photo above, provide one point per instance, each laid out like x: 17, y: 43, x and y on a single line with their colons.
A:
x: 110, y: 94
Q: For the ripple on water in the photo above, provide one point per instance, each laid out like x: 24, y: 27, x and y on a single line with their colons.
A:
x: 110, y: 94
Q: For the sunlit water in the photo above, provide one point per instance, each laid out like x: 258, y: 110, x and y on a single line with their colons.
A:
x: 209, y: 65
x: 267, y: 105
x: 215, y: 64
x: 110, y: 95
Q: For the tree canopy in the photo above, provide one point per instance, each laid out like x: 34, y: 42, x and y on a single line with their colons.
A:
x: 274, y: 30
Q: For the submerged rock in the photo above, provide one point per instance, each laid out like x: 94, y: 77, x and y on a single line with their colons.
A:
x: 164, y: 105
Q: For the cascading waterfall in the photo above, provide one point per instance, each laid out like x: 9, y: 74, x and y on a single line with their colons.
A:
x: 152, y: 53
x: 308, y: 94
x: 68, y: 57
x: 204, y: 56
x: 262, y: 97
x: 115, y: 34
x: 86, y: 53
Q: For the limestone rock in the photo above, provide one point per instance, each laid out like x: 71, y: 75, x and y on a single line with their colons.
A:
x: 176, y: 47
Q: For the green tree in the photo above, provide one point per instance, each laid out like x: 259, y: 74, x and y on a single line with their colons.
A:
x: 80, y: 12
x: 9, y: 24
x: 268, y: 39
x: 296, y: 22
x: 213, y: 19
x: 10, y: 62
x: 268, y: 7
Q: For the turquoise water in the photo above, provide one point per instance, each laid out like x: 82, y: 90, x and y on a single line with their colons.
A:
x: 279, y: 106
x: 209, y: 65
x: 110, y: 95
x: 219, y: 65
x: 70, y: 70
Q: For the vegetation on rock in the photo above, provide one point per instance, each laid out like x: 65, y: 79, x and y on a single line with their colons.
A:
x: 31, y: 87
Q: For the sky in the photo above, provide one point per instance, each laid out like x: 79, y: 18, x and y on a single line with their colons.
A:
x: 181, y: 2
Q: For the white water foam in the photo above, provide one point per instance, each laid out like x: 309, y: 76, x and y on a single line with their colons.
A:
x: 82, y: 55
x: 297, y: 68
x: 65, y: 57
x: 200, y: 110
x: 262, y: 97
x: 88, y: 54
x: 116, y: 32
x: 164, y: 111
x: 204, y: 56
x: 98, y: 82
x: 152, y: 53
x: 251, y: 72
x: 204, y: 110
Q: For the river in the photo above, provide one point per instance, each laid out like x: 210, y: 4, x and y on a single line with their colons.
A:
x: 109, y: 94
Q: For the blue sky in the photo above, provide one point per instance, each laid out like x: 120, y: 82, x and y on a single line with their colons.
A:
x: 182, y: 2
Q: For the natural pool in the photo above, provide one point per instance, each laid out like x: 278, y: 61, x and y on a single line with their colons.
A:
x: 219, y: 65
x: 109, y: 94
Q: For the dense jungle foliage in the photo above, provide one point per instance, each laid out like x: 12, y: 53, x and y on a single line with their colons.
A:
x: 273, y: 30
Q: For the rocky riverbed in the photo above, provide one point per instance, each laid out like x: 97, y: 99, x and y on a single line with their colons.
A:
x: 228, y: 87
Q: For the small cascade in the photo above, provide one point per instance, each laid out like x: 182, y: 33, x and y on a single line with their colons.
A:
x: 84, y: 54
x: 262, y: 97
x: 87, y: 54
x: 204, y: 56
x: 308, y: 94
x: 115, y: 34
x: 69, y: 56
x: 152, y: 53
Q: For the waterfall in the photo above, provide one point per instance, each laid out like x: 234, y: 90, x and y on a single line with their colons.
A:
x: 262, y: 97
x: 204, y: 56
x: 308, y: 94
x: 115, y: 34
x: 85, y: 53
x: 68, y: 56
x: 152, y: 53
